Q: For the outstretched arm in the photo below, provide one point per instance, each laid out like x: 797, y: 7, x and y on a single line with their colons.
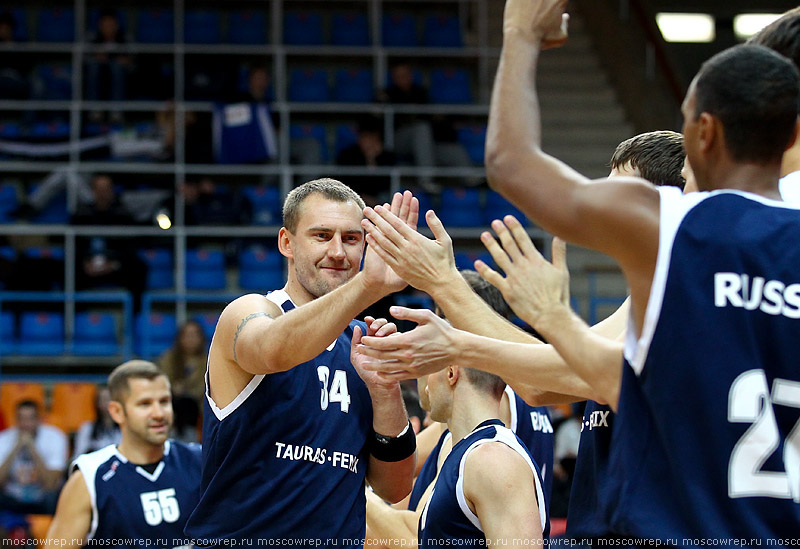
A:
x: 618, y: 217
x: 539, y: 293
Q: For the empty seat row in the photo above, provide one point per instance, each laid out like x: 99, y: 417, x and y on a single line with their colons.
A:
x: 313, y: 85
x: 71, y: 404
x: 157, y: 25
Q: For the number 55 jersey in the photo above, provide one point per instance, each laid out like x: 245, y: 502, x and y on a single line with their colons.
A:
x: 142, y: 504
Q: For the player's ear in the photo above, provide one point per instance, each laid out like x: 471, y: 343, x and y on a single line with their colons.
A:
x: 453, y: 374
x: 710, y: 132
x: 285, y: 243
x: 116, y: 412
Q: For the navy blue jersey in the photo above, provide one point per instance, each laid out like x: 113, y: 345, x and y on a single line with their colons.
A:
x: 128, y: 503
x: 427, y: 473
x: 592, y: 495
x: 532, y: 425
x: 447, y: 516
x: 243, y: 133
x: 287, y: 458
x: 710, y: 400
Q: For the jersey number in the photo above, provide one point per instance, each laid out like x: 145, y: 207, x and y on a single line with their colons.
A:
x: 160, y: 506
x: 749, y: 401
x: 338, y: 392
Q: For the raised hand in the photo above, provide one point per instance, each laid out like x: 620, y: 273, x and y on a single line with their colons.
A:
x: 405, y: 207
x: 532, y: 286
x: 541, y: 21
x: 427, y: 348
x: 420, y: 261
x: 378, y: 328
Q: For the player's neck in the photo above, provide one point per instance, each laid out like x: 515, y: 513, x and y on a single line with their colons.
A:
x: 140, y: 453
x: 470, y: 411
x: 296, y: 291
x: 791, y: 160
x: 748, y: 177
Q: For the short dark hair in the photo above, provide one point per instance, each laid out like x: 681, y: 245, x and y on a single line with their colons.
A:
x: 657, y: 156
x: 782, y: 36
x: 28, y: 404
x: 119, y: 379
x: 753, y: 91
x: 327, y: 187
x: 484, y: 381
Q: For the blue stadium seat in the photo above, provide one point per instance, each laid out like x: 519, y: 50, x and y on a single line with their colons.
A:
x: 209, y: 323
x: 56, y: 25
x: 205, y: 270
x: 316, y: 132
x: 155, y: 26
x: 399, y: 31
x: 260, y: 270
x: 302, y: 28
x: 55, y: 212
x: 425, y: 204
x: 309, y: 86
x: 159, y: 268
x: 442, y: 31
x: 55, y: 130
x: 346, y: 135
x: 450, y: 86
x: 10, y: 130
x: 460, y: 207
x: 265, y: 204
x: 41, y: 334
x: 20, y: 16
x: 202, y: 27
x: 95, y: 335
x: 8, y: 332
x: 350, y: 29
x: 474, y: 140
x: 45, y: 252
x: 498, y: 207
x: 54, y: 81
x: 247, y: 27
x: 354, y: 86
x: 154, y: 334
x: 8, y: 202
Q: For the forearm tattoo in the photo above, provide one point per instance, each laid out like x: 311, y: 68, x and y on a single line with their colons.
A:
x: 244, y: 321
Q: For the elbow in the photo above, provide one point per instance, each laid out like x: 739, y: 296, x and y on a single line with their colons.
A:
x: 396, y: 493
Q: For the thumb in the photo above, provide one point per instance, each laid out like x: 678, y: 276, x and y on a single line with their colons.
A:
x: 559, y: 254
x: 357, y: 335
x: 438, y: 230
x: 419, y: 316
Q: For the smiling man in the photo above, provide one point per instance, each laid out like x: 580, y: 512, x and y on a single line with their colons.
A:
x: 292, y: 426
x: 142, y: 490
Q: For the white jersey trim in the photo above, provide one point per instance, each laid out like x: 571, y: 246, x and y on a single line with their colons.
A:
x: 278, y: 297
x: 88, y: 464
x: 790, y: 187
x: 512, y: 408
x: 507, y: 437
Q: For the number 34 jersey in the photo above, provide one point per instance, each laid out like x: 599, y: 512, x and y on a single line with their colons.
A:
x: 130, y: 503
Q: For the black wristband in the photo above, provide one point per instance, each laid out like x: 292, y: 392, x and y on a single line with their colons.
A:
x: 392, y: 449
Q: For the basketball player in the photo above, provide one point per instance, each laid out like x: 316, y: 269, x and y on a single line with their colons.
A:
x: 531, y: 424
x: 141, y: 491
x: 292, y: 425
x: 489, y: 490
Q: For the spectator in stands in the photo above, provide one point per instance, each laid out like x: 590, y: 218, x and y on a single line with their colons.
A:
x: 107, y: 68
x: 93, y: 435
x: 103, y: 261
x: 208, y: 203
x: 185, y: 365
x: 369, y: 151
x: 415, y: 136
x: 13, y: 82
x: 33, y: 459
x: 567, y: 436
x: 416, y: 415
x: 258, y: 87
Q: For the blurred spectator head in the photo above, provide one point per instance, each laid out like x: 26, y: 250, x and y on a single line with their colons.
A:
x: 191, y: 340
x: 103, y: 191
x: 370, y: 136
x: 402, y: 76
x: 101, y: 401
x: 28, y: 416
x: 258, y: 83
x: 7, y: 27
x: 108, y: 26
